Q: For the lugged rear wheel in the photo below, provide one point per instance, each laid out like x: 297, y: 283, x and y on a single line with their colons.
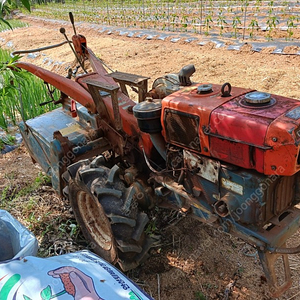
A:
x: 108, y: 214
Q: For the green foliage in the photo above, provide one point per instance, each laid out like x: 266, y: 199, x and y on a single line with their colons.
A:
x: 199, y: 296
x: 253, y: 25
x: 6, y: 140
x: 12, y: 24
x: 40, y: 180
x: 6, y: 6
x: 69, y: 227
x: 221, y: 21
x: 191, y: 16
x: 291, y: 25
x: 20, y: 92
x: 207, y: 22
x: 12, y: 193
x: 151, y: 228
x: 236, y: 22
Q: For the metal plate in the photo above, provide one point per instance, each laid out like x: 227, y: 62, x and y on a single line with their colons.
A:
x: 232, y: 186
x: 207, y: 168
x: 294, y: 113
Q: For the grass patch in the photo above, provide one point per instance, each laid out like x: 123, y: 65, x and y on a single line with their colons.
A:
x: 35, y: 204
x: 21, y: 94
x: 13, y: 24
x: 11, y: 192
x: 7, y: 140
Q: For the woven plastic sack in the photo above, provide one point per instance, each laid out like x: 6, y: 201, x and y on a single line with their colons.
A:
x: 79, y: 275
x: 15, y: 239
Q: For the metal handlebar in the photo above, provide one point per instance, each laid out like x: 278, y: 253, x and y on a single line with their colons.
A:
x: 38, y: 49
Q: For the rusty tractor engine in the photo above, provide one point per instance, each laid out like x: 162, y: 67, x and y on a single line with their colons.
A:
x: 229, y: 156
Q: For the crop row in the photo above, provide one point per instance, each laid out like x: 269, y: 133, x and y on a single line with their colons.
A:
x: 233, y: 18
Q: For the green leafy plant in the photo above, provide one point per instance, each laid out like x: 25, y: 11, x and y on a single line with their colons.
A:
x: 69, y: 227
x: 6, y: 6
x: 192, y: 16
x: 200, y: 296
x: 258, y: 5
x: 151, y: 228
x: 6, y: 140
x: 18, y: 86
x: 272, y: 20
x: 236, y: 22
x: 291, y: 25
x: 221, y: 21
x: 207, y: 23
x: 184, y: 22
x: 253, y: 26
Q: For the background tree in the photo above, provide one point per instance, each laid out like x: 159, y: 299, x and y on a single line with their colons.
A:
x: 8, y: 5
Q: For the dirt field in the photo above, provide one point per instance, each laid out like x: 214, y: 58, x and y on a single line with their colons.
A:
x: 193, y: 261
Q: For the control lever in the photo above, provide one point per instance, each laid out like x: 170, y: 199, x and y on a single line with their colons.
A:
x: 72, y: 22
x: 63, y: 31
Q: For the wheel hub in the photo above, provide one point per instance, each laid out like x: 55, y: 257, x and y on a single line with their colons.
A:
x: 95, y: 220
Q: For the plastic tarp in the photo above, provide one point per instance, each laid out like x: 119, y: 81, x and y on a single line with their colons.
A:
x: 79, y: 275
x: 15, y: 239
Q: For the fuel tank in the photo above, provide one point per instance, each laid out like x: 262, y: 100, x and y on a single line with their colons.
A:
x: 246, y: 128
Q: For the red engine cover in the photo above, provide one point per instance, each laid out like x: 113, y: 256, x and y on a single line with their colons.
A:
x: 263, y: 137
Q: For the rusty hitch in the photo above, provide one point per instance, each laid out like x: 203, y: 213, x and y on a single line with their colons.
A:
x: 277, y: 285
x: 294, y: 250
x: 268, y: 260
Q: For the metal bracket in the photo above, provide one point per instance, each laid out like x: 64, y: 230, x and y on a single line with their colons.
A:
x: 140, y: 82
x: 96, y: 87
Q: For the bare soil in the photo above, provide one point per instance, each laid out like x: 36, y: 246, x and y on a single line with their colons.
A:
x: 193, y: 261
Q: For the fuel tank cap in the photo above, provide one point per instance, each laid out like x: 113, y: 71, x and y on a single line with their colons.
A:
x: 258, y: 98
x: 204, y: 89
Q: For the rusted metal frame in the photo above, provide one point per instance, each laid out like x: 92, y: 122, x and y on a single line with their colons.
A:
x: 97, y: 66
x: 140, y: 82
x: 115, y: 138
x: 142, y: 91
x: 95, y: 87
x: 167, y: 182
x: 123, y: 88
x: 66, y: 145
x: 271, y: 245
x: 268, y: 261
x: 207, y: 168
x: 99, y: 145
